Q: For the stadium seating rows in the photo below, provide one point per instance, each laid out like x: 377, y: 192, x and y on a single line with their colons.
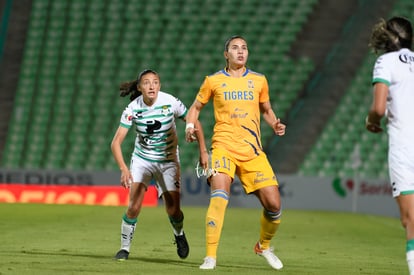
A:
x: 345, y: 148
x: 64, y: 116
x: 77, y: 52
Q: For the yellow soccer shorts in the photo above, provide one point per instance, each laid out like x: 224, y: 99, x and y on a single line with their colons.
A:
x: 254, y: 174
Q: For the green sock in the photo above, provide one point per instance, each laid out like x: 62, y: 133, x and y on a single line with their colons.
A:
x: 177, y: 225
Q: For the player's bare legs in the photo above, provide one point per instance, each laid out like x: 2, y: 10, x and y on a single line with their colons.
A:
x: 136, y: 197
x: 406, y: 205
x: 172, y: 204
x: 129, y: 220
x: 176, y: 217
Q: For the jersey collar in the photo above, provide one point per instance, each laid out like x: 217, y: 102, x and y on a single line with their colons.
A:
x: 227, y: 74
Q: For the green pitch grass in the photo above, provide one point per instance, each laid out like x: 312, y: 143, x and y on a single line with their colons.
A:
x: 71, y: 239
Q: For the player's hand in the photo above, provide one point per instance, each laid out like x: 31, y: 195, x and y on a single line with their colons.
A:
x: 373, y: 127
x: 204, y: 159
x: 126, y: 179
x: 190, y: 135
x: 279, y: 128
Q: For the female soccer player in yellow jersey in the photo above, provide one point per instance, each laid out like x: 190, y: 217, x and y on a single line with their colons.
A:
x: 239, y: 97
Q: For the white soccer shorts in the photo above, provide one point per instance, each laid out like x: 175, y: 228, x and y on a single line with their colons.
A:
x: 166, y: 175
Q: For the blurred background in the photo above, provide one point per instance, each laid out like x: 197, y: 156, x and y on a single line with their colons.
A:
x: 61, y: 63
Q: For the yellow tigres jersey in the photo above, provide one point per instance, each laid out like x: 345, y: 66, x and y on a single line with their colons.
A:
x: 236, y: 111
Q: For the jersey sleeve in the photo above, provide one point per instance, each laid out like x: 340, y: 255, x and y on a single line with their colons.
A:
x: 180, y: 110
x: 205, y: 91
x: 381, y: 72
x: 264, y: 93
x: 126, y: 117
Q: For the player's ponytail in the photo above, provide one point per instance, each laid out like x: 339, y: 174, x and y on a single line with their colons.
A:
x: 129, y: 87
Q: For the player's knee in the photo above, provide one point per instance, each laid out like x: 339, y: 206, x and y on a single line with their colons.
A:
x: 404, y: 221
x: 407, y: 220
x: 273, y: 215
x: 273, y: 207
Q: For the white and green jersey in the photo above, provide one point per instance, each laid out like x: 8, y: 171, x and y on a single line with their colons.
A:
x: 155, y: 126
x: 396, y: 70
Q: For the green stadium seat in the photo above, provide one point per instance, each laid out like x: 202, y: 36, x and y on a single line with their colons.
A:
x: 348, y: 121
x: 77, y: 52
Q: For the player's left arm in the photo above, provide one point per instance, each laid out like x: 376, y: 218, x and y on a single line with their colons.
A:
x: 271, y: 119
x: 378, y: 107
x: 194, y: 132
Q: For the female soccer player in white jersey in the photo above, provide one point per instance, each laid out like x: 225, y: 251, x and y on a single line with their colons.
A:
x: 155, y: 155
x: 393, y: 97
x: 240, y: 96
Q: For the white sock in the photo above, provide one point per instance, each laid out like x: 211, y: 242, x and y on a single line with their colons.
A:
x: 127, y: 233
x: 410, y: 261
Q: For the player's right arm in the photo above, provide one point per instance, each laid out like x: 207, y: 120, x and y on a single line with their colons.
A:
x: 126, y: 177
x: 200, y: 101
x: 378, y: 107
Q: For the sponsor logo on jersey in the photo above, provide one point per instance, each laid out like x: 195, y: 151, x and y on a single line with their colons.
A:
x: 131, y: 117
x: 260, y: 178
x: 405, y: 58
x: 239, y: 113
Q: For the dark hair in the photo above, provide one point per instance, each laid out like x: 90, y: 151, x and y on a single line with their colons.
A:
x: 231, y: 38
x: 131, y: 87
x: 391, y: 35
